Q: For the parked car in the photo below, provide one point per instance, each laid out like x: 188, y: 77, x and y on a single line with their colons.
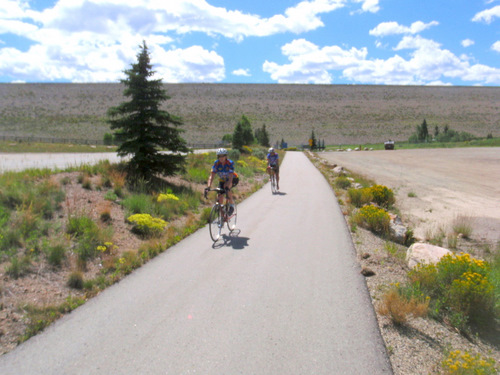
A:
x: 389, y: 145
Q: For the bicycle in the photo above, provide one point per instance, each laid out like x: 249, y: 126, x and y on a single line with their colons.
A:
x: 219, y: 215
x: 272, y: 174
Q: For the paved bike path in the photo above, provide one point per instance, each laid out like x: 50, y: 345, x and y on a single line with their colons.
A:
x: 283, y: 297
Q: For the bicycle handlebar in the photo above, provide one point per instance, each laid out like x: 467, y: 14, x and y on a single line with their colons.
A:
x: 218, y: 190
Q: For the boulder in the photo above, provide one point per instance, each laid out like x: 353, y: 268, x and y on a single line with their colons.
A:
x: 424, y: 253
x: 338, y: 170
x: 397, y: 229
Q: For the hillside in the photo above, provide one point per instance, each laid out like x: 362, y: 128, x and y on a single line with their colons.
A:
x: 339, y: 114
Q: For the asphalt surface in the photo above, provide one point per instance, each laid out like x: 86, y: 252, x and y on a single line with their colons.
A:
x: 284, y: 295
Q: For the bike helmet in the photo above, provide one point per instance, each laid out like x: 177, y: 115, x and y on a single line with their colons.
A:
x: 271, y: 150
x: 221, y: 151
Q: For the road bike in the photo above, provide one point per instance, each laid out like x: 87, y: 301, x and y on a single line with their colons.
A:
x: 219, y: 215
x: 274, y: 185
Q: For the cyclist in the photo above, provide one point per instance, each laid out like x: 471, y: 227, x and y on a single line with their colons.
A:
x: 228, y: 178
x: 273, y: 161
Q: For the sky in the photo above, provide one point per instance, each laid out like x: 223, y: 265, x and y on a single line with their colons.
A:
x: 376, y: 42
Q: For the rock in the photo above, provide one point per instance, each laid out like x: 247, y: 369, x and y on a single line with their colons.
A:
x: 423, y: 253
x: 338, y: 170
x: 365, y: 255
x: 397, y: 229
x: 367, y: 272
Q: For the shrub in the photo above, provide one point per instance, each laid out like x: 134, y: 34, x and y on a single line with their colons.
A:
x: 259, y: 153
x: 457, y: 362
x: 342, y: 182
x: 111, y: 196
x: 462, y: 225
x: 400, y: 307
x: 108, y: 139
x: 139, y: 204
x: 373, y: 218
x: 146, y: 225
x: 75, y: 280
x: 18, y: 267
x: 56, y: 254
x: 459, y: 288
x: 166, y: 197
x: 234, y: 154
x: 382, y: 195
x: 359, y: 197
x: 78, y: 225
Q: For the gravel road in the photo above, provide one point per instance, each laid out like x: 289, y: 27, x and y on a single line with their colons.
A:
x: 442, y: 183
x: 283, y: 296
x: 18, y: 162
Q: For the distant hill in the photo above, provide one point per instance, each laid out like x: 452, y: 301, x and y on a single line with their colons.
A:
x: 339, y: 114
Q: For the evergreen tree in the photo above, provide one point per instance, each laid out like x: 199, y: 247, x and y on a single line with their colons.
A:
x: 313, y: 141
x: 143, y: 128
x: 423, y: 132
x: 247, y: 130
x: 243, y: 134
x: 436, y: 131
x: 238, y: 139
x: 262, y: 136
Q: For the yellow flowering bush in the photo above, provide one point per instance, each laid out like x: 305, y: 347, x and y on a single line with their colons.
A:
x: 460, y: 288
x: 147, y: 225
x: 107, y: 247
x: 373, y: 218
x: 242, y: 163
x: 382, y: 195
x: 457, y: 362
x: 166, y: 197
x: 359, y: 197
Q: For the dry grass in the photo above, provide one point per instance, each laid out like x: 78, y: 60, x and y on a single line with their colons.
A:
x: 339, y: 114
x: 399, y: 309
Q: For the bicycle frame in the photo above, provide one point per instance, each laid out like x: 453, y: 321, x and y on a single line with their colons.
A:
x: 219, y: 214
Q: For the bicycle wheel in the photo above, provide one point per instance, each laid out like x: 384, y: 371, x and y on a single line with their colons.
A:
x: 231, y: 219
x: 215, y: 223
x: 273, y: 182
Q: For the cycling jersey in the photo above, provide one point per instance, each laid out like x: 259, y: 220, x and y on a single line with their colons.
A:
x: 273, y: 159
x: 224, y: 169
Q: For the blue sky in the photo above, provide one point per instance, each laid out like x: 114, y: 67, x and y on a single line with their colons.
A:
x: 392, y: 42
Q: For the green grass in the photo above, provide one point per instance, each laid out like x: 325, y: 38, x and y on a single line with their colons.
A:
x: 23, y: 147
x: 483, y: 142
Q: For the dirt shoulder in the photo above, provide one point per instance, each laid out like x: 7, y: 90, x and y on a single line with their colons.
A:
x: 434, y: 186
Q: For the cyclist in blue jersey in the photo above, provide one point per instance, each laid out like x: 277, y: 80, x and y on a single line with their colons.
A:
x: 228, y: 178
x: 273, y: 161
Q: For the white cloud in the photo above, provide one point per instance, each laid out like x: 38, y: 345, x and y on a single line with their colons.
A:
x: 427, y: 64
x: 13, y: 9
x: 17, y: 27
x: 394, y: 28
x: 85, y: 40
x: 487, y: 15
x: 311, y: 64
x: 241, y: 72
x: 369, y: 5
x: 496, y: 46
x: 467, y: 43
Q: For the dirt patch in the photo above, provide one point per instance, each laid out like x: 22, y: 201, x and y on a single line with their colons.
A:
x: 435, y: 186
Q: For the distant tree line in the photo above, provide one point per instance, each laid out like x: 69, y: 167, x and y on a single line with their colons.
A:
x: 422, y: 135
x: 243, y: 135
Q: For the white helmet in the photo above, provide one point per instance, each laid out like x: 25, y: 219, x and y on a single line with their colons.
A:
x: 271, y: 150
x: 221, y: 151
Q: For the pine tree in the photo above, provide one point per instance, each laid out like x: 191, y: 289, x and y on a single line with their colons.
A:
x: 262, y: 136
x: 238, y: 140
x: 143, y: 128
x: 242, y: 134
